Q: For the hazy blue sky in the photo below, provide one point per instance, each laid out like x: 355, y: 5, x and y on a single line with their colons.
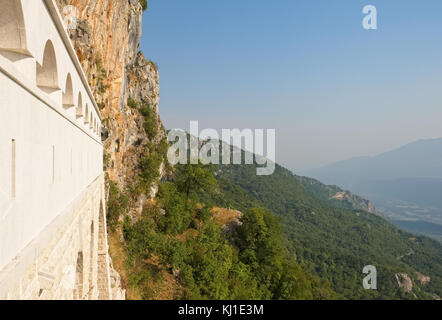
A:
x: 307, y: 68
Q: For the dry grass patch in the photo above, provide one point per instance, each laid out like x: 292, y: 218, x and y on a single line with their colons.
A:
x: 223, y: 216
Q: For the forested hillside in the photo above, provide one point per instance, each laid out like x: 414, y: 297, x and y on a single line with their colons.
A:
x: 336, y: 243
x: 222, y: 232
x: 181, y: 247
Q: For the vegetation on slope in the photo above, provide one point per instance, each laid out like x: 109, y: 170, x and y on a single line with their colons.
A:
x: 143, y: 4
x: 291, y: 242
x: 336, y: 243
x: 178, y: 236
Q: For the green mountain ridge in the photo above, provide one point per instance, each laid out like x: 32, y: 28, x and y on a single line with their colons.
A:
x: 336, y: 196
x: 332, y: 241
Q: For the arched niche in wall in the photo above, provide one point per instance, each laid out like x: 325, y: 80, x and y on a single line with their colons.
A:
x: 103, y: 274
x: 91, y: 259
x: 79, y: 277
x: 12, y: 27
x: 47, y: 74
x: 79, y: 110
x: 86, y: 115
x: 68, y: 94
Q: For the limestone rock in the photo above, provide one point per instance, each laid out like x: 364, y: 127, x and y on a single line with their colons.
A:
x: 117, y: 292
x: 404, y: 282
x: 107, y: 43
x: 356, y: 202
x: 423, y: 279
x: 106, y: 40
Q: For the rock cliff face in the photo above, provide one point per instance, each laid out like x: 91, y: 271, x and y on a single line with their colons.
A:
x: 334, y: 193
x: 356, y: 202
x: 106, y: 39
x: 404, y: 282
x: 107, y: 43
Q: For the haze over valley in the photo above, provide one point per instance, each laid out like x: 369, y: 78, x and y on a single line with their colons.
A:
x: 405, y: 184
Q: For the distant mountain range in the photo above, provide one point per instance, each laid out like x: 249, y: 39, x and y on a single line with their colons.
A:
x: 405, y: 184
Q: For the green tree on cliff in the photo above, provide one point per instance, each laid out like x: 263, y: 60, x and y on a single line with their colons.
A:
x: 195, y: 178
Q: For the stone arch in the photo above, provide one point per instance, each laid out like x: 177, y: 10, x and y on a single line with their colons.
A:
x: 79, y: 111
x: 91, y: 258
x: 86, y: 115
x: 68, y: 94
x: 103, y: 270
x: 12, y: 27
x: 79, y: 277
x: 47, y: 74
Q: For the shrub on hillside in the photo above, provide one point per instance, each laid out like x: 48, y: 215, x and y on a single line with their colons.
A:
x: 116, y: 204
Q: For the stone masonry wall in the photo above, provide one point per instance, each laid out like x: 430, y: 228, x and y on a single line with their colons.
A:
x: 69, y: 260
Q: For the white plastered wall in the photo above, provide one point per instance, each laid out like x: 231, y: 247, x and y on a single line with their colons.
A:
x: 57, y: 155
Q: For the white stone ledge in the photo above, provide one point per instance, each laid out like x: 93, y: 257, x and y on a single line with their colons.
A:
x: 8, y: 68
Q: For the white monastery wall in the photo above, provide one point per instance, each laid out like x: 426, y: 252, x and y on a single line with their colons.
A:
x: 52, y: 211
